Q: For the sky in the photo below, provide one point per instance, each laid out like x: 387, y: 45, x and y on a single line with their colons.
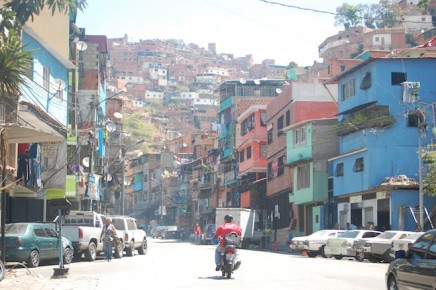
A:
x: 240, y: 27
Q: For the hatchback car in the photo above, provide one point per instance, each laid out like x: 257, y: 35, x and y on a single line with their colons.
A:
x: 414, y: 269
x: 404, y: 243
x: 33, y: 243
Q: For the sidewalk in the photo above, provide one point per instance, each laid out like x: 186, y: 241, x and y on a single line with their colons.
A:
x: 20, y: 279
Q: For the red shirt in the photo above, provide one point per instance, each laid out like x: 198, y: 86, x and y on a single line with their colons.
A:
x: 197, y: 230
x: 226, y: 229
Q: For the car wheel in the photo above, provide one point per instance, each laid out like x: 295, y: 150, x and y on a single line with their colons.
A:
x: 338, y: 257
x: 77, y: 255
x: 33, y: 260
x: 119, y: 248
x: 392, y: 283
x: 68, y: 256
x: 91, y: 252
x: 360, y: 256
x: 312, y: 254
x: 387, y: 257
x: 130, y: 249
x: 323, y: 254
x: 143, y: 249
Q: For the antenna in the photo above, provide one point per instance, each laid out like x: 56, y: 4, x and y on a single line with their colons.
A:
x: 278, y: 90
x: 242, y: 81
x: 85, y: 161
x: 257, y: 82
x: 118, y: 115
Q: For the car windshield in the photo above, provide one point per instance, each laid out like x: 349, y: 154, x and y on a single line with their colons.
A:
x: 118, y: 223
x: 349, y: 234
x: 387, y: 235
x: 15, y: 229
x: 318, y: 234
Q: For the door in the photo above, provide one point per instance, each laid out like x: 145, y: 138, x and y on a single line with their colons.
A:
x: 42, y: 241
x: 54, y: 242
x: 356, y: 217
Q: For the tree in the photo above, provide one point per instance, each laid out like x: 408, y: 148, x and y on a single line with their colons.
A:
x: 386, y: 14
x: 348, y: 15
x: 138, y: 129
x: 429, y: 178
x: 14, y: 61
x: 292, y: 64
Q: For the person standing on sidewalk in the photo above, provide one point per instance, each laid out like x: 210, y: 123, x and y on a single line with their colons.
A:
x: 197, y: 234
x: 289, y: 240
x: 107, y: 236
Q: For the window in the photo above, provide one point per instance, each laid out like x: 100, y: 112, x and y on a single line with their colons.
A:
x: 300, y: 135
x: 288, y: 118
x: 358, y: 165
x: 270, y: 171
x: 241, y: 155
x: 263, y: 119
x: 263, y: 150
x: 29, y: 70
x: 248, y: 152
x: 303, y: 176
x: 398, y: 78
x: 348, y: 90
x: 366, y: 81
x: 280, y: 126
x: 419, y: 248
x: 46, y: 79
x: 281, y: 166
x: 270, y: 135
x: 339, y: 169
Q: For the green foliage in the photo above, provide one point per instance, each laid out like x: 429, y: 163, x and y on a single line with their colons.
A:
x: 139, y: 129
x: 14, y: 63
x: 386, y: 13
x: 375, y: 118
x: 429, y: 176
x: 347, y: 15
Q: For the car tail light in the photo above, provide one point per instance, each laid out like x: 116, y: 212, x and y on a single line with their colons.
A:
x: 368, y: 244
x: 409, y: 245
x: 80, y: 233
x: 346, y: 244
x: 126, y: 236
x: 306, y: 242
x: 19, y: 242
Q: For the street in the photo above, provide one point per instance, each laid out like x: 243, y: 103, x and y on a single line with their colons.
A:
x: 171, y: 264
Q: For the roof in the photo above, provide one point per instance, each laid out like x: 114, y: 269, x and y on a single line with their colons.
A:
x: 100, y: 39
x: 250, y: 83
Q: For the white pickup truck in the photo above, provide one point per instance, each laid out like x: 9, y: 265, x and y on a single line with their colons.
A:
x: 83, y: 229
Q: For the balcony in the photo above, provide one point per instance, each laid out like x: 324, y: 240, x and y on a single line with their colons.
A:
x: 375, y: 117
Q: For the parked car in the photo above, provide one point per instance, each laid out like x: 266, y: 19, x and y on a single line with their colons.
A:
x: 403, y: 243
x: 314, y: 243
x: 83, y: 229
x: 133, y: 237
x: 415, y: 268
x: 207, y: 234
x: 343, y: 245
x: 34, y: 242
x: 378, y: 249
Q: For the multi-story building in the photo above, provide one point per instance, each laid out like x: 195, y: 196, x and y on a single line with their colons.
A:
x: 384, y: 111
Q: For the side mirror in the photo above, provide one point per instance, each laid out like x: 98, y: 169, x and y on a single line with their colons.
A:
x: 400, y: 254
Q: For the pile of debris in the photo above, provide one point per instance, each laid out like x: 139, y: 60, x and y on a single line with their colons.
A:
x: 399, y: 180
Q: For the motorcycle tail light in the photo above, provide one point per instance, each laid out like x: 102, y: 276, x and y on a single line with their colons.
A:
x: 230, y: 251
x: 126, y: 236
x: 80, y: 233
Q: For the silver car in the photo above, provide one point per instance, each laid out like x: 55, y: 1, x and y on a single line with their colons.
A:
x: 343, y: 245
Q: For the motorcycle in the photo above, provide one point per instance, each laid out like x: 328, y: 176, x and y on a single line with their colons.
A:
x: 229, y: 256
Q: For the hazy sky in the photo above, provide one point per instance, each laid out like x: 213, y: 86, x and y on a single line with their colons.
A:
x: 240, y: 27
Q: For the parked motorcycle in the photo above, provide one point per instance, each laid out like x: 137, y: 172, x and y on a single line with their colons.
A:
x: 229, y: 256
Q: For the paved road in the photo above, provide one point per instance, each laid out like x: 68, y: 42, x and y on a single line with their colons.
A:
x: 170, y: 264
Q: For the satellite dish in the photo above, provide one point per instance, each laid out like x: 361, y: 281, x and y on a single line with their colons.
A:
x: 85, y: 161
x: 242, y: 81
x: 118, y: 115
x: 278, y: 90
x: 58, y: 85
x: 111, y: 127
x: 127, y: 182
x: 81, y: 45
x: 257, y: 82
x: 108, y: 177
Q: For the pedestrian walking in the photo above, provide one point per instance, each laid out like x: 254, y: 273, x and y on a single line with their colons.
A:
x: 107, y: 236
x: 197, y: 234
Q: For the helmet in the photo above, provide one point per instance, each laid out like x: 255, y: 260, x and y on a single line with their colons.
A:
x: 228, y: 218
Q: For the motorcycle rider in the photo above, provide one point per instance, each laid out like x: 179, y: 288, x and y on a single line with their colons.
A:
x: 227, y: 228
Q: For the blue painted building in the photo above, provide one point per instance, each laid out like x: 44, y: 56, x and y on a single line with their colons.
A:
x: 381, y: 104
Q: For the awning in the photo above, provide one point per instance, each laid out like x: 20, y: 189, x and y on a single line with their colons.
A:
x: 31, y: 129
